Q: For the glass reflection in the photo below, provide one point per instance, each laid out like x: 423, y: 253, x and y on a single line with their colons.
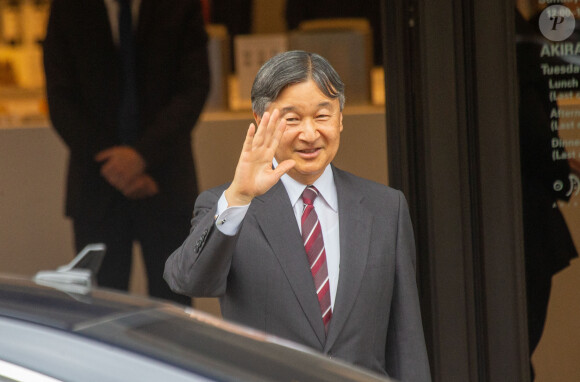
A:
x: 549, y: 121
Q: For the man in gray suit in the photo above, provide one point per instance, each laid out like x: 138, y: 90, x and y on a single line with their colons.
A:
x: 333, y: 268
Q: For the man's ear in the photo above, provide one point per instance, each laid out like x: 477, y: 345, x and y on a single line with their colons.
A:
x: 257, y: 119
x: 341, y: 127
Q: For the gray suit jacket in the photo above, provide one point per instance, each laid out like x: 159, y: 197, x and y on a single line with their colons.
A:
x: 263, y: 279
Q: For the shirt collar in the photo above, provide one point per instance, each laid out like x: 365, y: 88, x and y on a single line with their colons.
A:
x: 324, y: 184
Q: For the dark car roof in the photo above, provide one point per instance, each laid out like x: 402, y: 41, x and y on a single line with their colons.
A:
x: 28, y: 301
x: 176, y: 335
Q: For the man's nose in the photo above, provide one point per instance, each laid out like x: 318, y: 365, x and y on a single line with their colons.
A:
x: 309, y: 130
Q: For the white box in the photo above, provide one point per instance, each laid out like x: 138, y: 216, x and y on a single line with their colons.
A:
x: 251, y: 52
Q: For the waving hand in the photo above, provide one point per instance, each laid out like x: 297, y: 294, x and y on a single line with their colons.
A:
x: 254, y: 173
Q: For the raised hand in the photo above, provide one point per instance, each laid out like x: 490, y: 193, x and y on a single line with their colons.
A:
x: 254, y: 173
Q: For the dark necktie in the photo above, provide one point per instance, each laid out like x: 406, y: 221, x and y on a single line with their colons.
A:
x: 128, y: 113
x: 314, y: 246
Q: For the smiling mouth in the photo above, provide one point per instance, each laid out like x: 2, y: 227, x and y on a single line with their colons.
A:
x: 309, y: 151
x: 309, y: 154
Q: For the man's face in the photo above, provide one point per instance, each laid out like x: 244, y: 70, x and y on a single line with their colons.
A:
x: 313, y: 126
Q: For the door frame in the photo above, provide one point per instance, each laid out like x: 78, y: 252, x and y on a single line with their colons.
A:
x: 453, y: 149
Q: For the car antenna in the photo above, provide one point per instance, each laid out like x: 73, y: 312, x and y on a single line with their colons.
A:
x: 78, y: 276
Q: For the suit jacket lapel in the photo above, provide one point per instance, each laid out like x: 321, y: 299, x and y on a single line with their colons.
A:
x: 355, y: 224
x: 278, y: 223
x: 146, y: 15
x: 101, y: 26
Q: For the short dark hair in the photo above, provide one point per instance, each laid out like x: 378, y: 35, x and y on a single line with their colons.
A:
x: 290, y: 68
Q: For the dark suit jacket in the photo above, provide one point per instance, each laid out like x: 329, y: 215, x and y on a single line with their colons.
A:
x: 264, y: 281
x: 83, y: 89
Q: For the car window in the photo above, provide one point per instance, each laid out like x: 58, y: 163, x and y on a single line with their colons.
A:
x: 72, y: 358
x: 218, y: 349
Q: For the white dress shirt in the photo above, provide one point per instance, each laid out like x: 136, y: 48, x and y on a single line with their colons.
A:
x: 113, y: 12
x: 229, y: 219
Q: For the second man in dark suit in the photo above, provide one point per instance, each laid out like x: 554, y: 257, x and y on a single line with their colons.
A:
x: 126, y: 82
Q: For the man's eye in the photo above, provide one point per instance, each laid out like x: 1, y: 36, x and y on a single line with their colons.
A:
x: 292, y: 119
x: 322, y: 116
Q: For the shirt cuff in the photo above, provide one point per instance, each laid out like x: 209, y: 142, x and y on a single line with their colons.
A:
x: 229, y: 219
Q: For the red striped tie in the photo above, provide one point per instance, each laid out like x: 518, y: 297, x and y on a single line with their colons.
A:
x: 314, y: 246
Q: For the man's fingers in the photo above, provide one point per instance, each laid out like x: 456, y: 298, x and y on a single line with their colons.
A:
x: 284, y: 167
x: 277, y: 135
x: 120, y: 164
x: 119, y: 183
x: 107, y: 171
x: 103, y: 155
x: 142, y: 187
x: 261, y: 130
x: 272, y: 127
x: 249, y: 138
x: 267, y: 128
x: 152, y: 187
x: 114, y: 175
x: 273, y: 121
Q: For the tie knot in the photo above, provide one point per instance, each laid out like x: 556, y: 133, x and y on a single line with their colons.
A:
x: 310, y: 193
